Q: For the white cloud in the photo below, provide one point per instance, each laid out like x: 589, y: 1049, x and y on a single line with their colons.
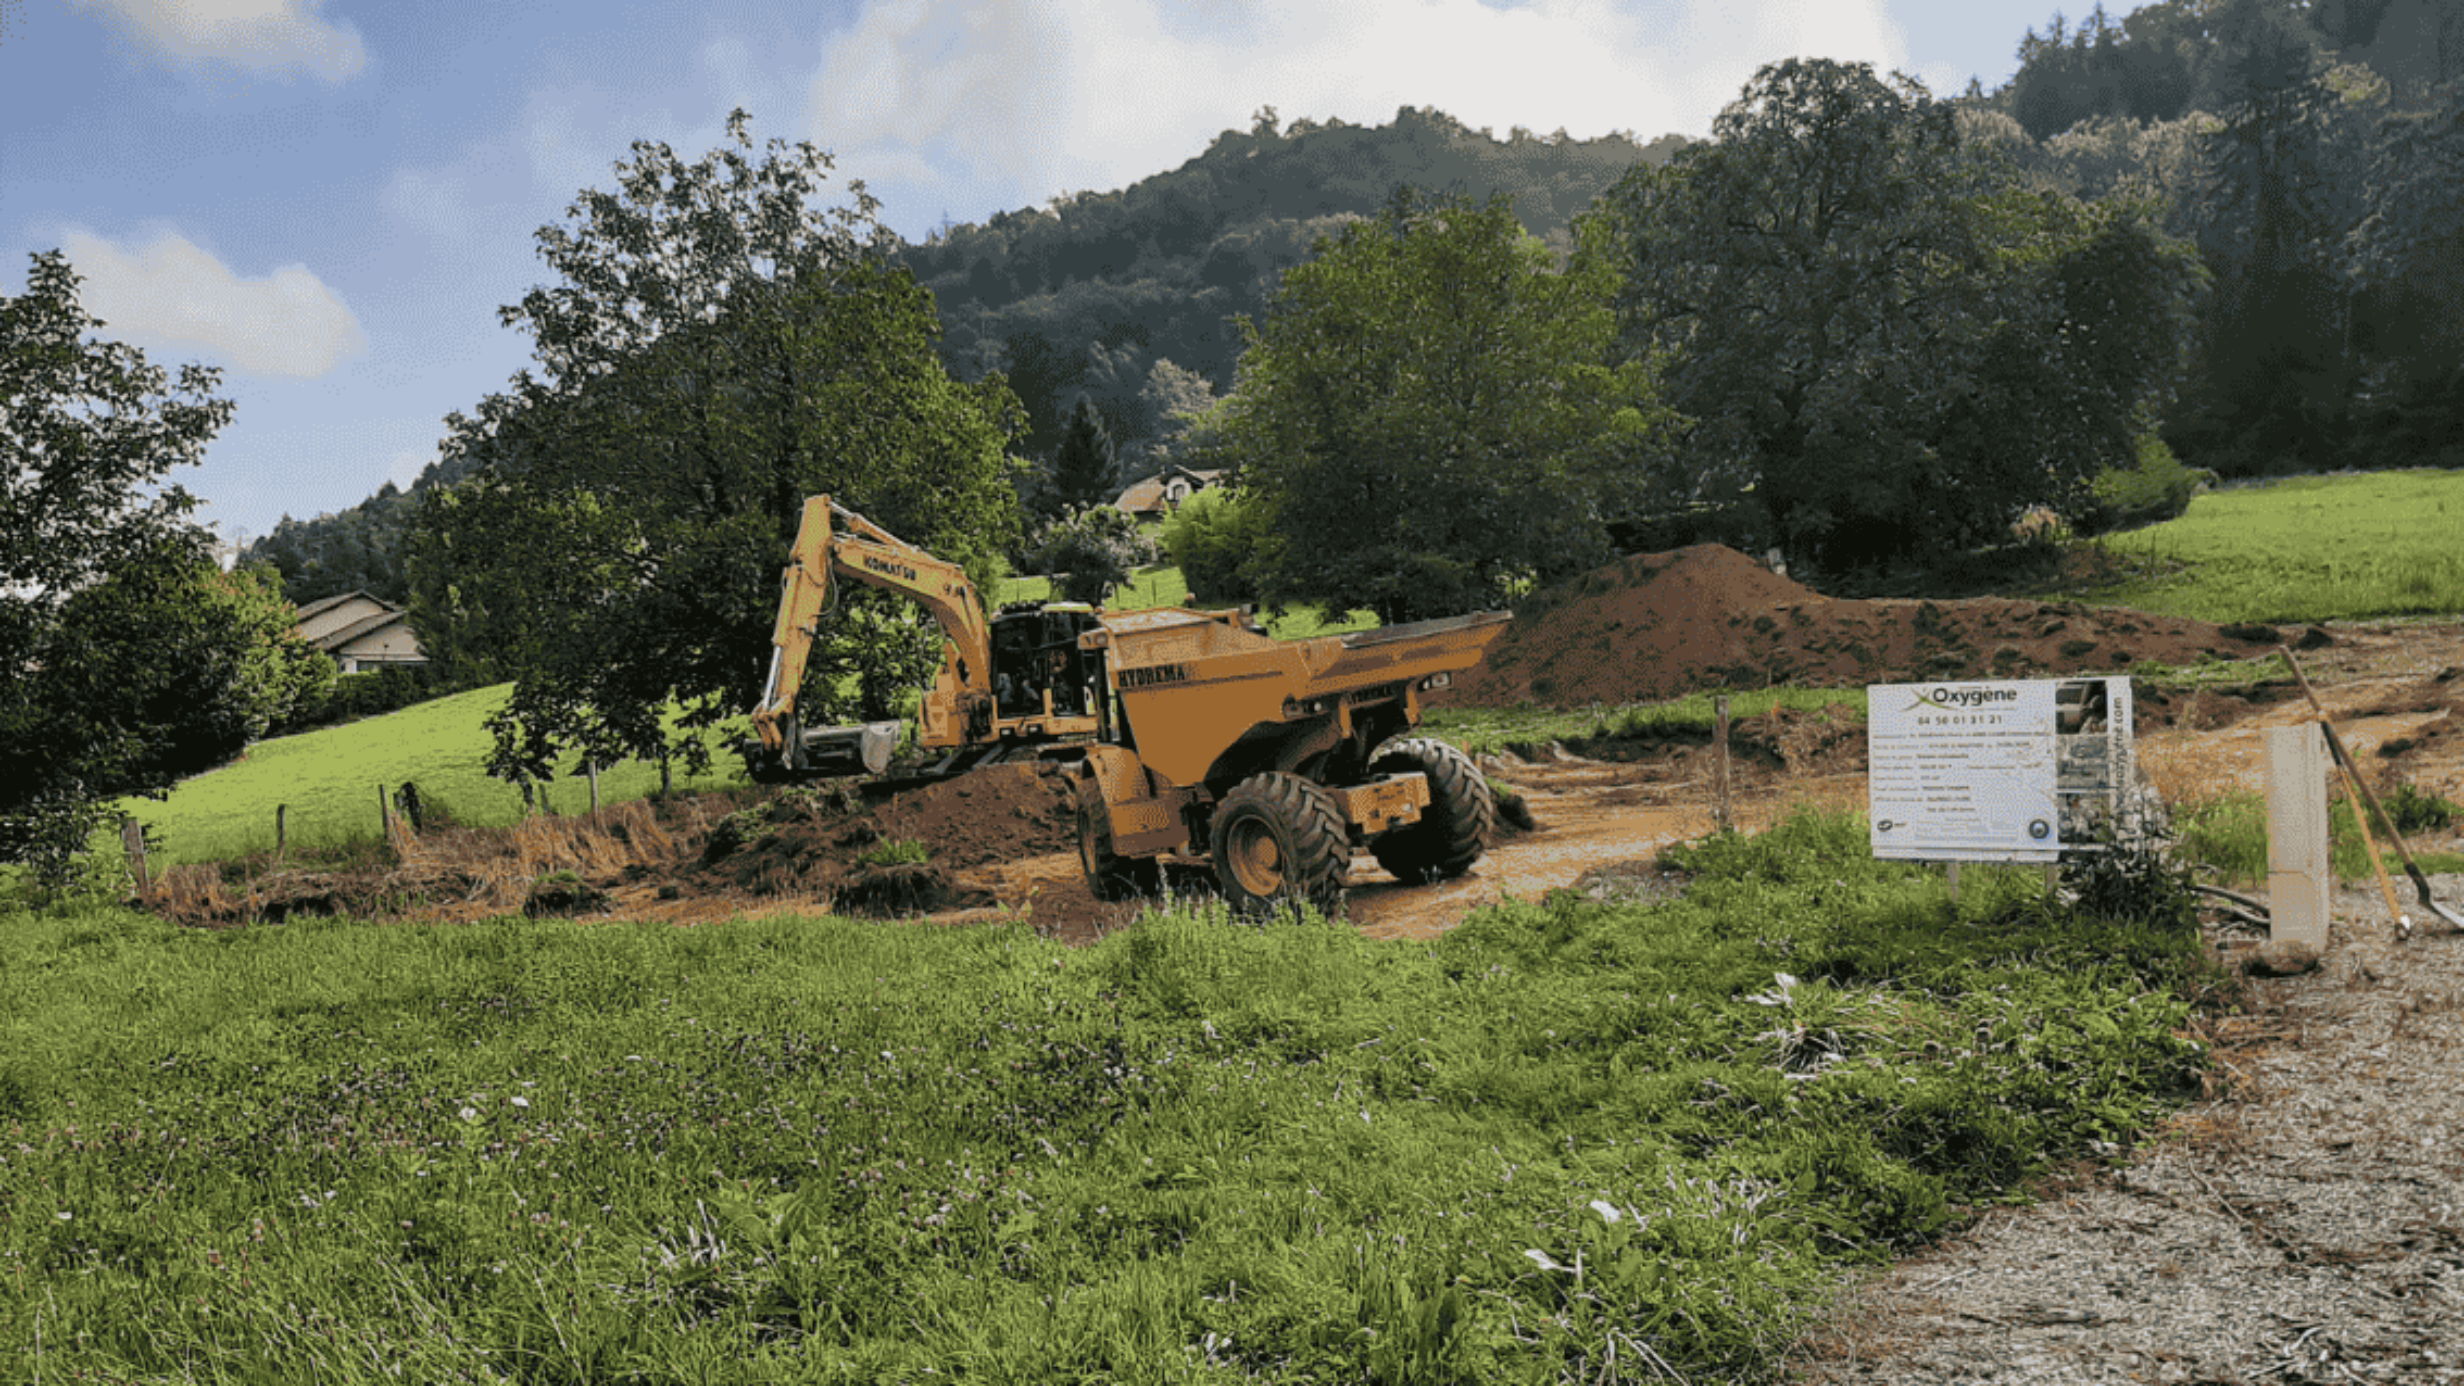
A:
x: 1041, y: 95
x: 288, y: 323
x: 265, y: 36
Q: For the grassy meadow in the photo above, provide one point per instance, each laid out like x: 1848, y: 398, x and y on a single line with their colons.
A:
x: 329, y: 778
x: 1163, y: 586
x: 2350, y: 548
x: 1568, y: 1141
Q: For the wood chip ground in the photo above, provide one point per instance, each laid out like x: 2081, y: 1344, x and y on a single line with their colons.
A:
x: 2305, y: 1224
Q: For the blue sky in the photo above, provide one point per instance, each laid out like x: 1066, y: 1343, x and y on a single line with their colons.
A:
x: 329, y: 199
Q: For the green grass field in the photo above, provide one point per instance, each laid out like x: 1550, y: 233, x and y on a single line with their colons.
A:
x: 1565, y: 1135
x: 1163, y: 586
x: 2348, y: 548
x: 1482, y: 730
x: 329, y: 779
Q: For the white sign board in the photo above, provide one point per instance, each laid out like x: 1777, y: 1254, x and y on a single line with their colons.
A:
x: 1994, y: 771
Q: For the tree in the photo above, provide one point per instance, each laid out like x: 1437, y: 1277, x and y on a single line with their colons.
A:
x: 1090, y: 551
x: 2282, y: 187
x: 1211, y: 539
x: 1172, y: 397
x: 1879, y: 335
x: 2407, y: 265
x: 1085, y: 472
x: 88, y: 432
x: 719, y: 348
x: 172, y: 666
x: 1428, y: 417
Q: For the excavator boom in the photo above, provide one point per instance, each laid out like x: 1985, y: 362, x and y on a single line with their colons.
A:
x: 833, y: 542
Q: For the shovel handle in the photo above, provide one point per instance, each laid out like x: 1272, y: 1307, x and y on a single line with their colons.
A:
x: 2352, y: 783
x: 2344, y: 758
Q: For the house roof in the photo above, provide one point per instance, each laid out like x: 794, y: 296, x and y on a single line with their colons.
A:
x: 1148, y: 496
x: 335, y: 640
x: 324, y: 604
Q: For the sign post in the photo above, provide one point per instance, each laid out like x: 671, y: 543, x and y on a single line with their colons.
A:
x: 2007, y: 771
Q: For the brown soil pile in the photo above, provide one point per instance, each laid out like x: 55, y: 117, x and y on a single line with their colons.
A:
x: 815, y: 841
x: 1659, y: 626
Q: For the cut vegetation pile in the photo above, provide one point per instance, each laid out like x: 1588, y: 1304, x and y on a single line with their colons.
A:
x: 900, y: 854
x: 1658, y: 626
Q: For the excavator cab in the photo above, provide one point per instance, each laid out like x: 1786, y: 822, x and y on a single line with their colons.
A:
x: 1035, y: 651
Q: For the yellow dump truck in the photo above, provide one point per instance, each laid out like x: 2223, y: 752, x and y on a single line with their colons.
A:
x: 1190, y: 737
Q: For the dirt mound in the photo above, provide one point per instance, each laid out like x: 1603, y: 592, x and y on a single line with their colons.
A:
x: 832, y: 840
x: 1658, y: 626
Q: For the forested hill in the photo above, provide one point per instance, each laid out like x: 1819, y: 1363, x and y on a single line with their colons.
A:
x: 1122, y: 296
x: 2311, y: 149
x: 1127, y: 296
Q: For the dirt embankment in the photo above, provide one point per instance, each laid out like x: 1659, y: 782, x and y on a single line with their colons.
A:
x: 1660, y: 626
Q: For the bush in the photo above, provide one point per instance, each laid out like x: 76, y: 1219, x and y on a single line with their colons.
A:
x: 2156, y: 489
x: 1211, y: 539
x: 353, y: 696
x: 2417, y: 812
x: 1089, y: 552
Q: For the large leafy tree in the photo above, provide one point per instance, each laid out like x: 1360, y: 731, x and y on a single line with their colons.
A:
x: 126, y: 658
x: 170, y: 666
x: 720, y: 346
x: 1428, y: 417
x: 1880, y: 338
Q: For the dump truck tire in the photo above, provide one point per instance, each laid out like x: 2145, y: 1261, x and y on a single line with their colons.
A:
x: 1278, y: 837
x: 1454, y: 831
x: 1110, y: 875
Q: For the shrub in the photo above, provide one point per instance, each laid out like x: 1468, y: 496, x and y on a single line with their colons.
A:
x: 1089, y: 552
x: 2417, y: 812
x: 2157, y: 488
x: 353, y: 696
x: 1211, y: 538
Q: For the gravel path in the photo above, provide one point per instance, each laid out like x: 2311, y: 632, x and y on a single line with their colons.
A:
x: 2304, y: 1225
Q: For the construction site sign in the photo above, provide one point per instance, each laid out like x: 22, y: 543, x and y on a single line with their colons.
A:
x: 2008, y: 771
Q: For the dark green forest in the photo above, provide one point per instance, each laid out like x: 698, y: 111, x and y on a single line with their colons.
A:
x: 2312, y: 152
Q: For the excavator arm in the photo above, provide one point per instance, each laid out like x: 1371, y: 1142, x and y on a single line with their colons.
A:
x: 834, y: 542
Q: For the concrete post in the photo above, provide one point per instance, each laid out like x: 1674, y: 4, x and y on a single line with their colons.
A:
x: 2298, y: 875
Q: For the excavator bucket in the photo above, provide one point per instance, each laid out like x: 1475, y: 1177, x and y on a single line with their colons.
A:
x: 825, y: 753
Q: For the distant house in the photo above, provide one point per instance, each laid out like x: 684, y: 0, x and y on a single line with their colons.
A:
x: 361, y: 632
x: 1159, y: 495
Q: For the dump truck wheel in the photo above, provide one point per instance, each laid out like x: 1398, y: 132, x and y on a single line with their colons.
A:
x: 1454, y: 830
x: 1110, y: 875
x: 1278, y: 837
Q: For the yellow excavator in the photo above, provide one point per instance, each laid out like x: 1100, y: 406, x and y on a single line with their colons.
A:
x: 1191, y: 738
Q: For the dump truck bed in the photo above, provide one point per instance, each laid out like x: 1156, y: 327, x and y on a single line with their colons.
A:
x: 1193, y: 684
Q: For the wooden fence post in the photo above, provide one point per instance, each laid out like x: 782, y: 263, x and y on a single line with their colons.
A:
x: 282, y: 829
x: 384, y: 814
x: 132, y: 836
x: 591, y: 768
x: 1719, y: 741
